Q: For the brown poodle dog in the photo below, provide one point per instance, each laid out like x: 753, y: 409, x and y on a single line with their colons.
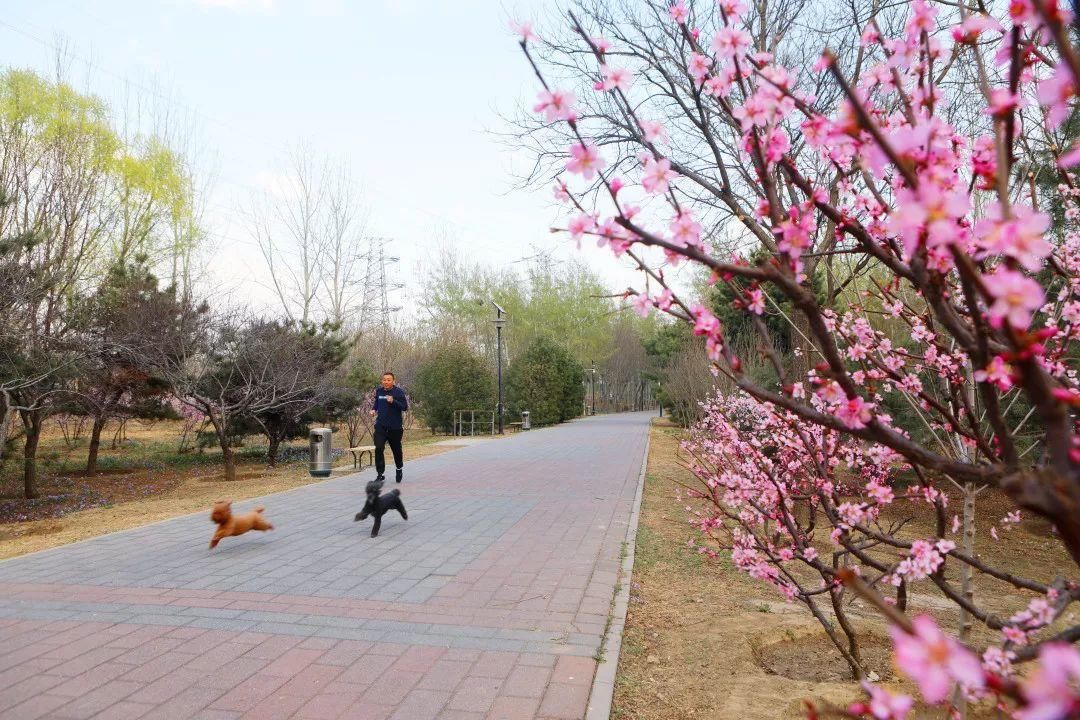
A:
x: 229, y: 524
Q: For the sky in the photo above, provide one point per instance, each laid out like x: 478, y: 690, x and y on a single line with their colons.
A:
x: 409, y: 93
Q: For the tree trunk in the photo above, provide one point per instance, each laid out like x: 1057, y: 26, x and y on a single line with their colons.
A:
x: 230, y: 460
x: 272, y: 452
x: 226, y: 451
x: 95, y: 444
x: 804, y: 352
x: 966, y: 587
x: 6, y: 415
x: 32, y: 422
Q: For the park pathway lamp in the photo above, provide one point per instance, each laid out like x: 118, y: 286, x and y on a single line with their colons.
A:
x: 499, y: 322
x: 592, y: 387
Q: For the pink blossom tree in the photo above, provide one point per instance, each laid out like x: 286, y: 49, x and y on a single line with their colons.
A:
x: 902, y: 170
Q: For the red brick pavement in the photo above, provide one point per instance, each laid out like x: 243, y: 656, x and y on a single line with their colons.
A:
x: 551, y: 575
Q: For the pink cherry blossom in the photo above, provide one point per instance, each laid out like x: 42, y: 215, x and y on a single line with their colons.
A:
x: 584, y: 160
x: 698, y: 67
x: 642, y: 304
x: 685, y: 231
x: 1055, y: 92
x: 969, y: 30
x: 1051, y: 691
x: 524, y: 30
x: 581, y: 224
x: 653, y: 131
x: 560, y: 191
x: 705, y: 323
x: 678, y: 12
x: 1020, y: 10
x: 734, y: 9
x: 658, y: 174
x: 664, y: 299
x: 1071, y: 157
x: 831, y: 392
x: 1016, y: 297
x: 1015, y: 635
x: 922, y: 18
x: 883, y: 704
x: 855, y: 412
x: 998, y: 661
x: 602, y: 44
x: 758, y: 111
x: 795, y: 233
x: 934, y: 660
x: 904, y: 175
x: 984, y: 160
x: 730, y: 42
x: 1038, y: 613
x: 615, y: 78
x: 1002, y: 102
x: 1024, y: 10
x: 928, y: 211
x: 556, y: 105
x: 777, y: 145
x: 755, y: 301
x: 998, y: 372
x: 924, y: 560
x: 719, y: 85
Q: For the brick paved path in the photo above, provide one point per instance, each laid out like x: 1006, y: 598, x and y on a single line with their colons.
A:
x: 489, y: 602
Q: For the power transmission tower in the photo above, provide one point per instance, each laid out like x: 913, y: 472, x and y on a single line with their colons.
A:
x: 376, y: 312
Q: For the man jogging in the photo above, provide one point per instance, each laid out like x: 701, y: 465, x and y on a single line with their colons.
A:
x: 390, y: 404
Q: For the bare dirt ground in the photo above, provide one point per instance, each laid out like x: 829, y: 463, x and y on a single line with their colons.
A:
x: 142, y: 481
x: 704, y: 640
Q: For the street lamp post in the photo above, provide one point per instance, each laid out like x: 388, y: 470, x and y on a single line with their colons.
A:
x: 499, y: 321
x: 592, y: 385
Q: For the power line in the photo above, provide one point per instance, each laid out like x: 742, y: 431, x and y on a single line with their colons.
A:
x: 375, y: 309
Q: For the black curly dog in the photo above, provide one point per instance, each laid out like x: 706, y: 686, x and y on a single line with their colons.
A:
x: 378, y: 505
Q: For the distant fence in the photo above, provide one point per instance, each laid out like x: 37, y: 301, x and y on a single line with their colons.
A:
x: 474, y: 422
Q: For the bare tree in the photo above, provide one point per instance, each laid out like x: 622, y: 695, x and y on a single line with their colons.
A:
x: 309, y: 231
x: 344, y: 250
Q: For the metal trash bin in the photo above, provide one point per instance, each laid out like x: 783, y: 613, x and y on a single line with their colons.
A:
x: 320, y: 446
x: 525, y: 420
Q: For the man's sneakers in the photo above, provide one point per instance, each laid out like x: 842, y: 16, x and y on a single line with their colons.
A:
x: 398, y: 478
x: 380, y: 477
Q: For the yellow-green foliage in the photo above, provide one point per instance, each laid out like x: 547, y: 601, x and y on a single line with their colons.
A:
x: 127, y: 194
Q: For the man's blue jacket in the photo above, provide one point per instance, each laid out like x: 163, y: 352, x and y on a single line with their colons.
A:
x: 388, y: 414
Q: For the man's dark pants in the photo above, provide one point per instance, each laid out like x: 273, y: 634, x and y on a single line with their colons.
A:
x: 383, y: 436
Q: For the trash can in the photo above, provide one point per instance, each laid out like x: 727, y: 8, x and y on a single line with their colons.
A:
x: 524, y: 419
x: 320, y: 452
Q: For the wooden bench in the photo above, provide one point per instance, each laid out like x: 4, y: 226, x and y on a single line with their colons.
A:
x: 514, y: 426
x: 358, y: 455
